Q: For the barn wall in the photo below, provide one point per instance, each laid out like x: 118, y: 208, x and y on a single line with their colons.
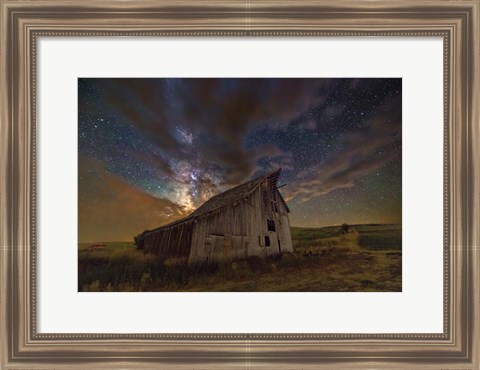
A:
x: 260, y: 203
x: 284, y: 234
x: 239, y: 229
x: 269, y: 206
x: 220, y: 235
x: 173, y: 241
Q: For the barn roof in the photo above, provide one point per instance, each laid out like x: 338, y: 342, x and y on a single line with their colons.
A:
x: 229, y: 196
x: 235, y: 194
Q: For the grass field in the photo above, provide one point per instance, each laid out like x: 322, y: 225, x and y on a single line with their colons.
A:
x: 367, y: 259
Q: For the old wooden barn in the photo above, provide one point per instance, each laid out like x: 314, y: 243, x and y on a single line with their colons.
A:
x: 248, y: 220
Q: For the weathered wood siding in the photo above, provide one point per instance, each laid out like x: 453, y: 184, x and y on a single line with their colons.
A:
x: 238, y: 230
x: 221, y: 234
x: 268, y: 206
x: 173, y: 241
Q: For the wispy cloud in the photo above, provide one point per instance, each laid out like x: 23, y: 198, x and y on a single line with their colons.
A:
x: 200, y: 128
x: 360, y: 152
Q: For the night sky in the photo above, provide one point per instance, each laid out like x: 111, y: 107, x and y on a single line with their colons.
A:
x: 153, y: 150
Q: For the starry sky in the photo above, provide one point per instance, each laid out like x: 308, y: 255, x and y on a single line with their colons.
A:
x: 150, y: 151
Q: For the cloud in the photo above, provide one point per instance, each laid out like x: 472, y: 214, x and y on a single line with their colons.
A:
x: 110, y: 209
x: 309, y: 125
x: 154, y: 160
x: 199, y: 126
x: 361, y: 152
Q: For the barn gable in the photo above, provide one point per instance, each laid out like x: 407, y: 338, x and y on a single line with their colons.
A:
x: 237, y: 193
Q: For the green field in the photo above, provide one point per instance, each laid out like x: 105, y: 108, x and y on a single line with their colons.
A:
x: 369, y: 258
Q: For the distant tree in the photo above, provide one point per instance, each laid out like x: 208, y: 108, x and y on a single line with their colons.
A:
x: 345, y: 228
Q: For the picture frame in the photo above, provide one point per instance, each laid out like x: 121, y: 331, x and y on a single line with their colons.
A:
x: 24, y: 22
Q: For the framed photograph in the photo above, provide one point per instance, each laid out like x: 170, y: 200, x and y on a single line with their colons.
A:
x: 239, y: 184
x: 181, y: 180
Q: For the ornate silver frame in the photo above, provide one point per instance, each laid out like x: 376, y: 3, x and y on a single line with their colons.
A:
x: 23, y: 22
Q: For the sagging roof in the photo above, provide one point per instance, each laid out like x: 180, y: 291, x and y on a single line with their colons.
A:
x: 229, y: 196
x: 237, y: 193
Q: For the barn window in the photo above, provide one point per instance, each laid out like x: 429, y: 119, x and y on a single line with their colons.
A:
x: 267, y: 241
x: 270, y: 225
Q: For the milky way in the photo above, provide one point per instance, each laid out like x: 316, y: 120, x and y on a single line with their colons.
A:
x: 153, y: 150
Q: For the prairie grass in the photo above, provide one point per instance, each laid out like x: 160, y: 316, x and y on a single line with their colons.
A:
x: 367, y: 259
